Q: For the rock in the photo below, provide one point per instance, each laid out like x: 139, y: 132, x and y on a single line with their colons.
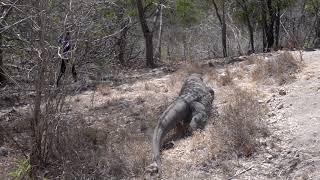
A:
x: 269, y: 156
x: 3, y: 151
x: 282, y: 92
x: 136, y: 109
x: 281, y: 106
x: 271, y: 114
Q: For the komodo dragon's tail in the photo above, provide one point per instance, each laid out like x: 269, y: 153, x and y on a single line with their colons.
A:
x: 156, y: 143
x: 158, y: 135
x: 176, y: 112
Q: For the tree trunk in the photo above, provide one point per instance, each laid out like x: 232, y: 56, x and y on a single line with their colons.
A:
x: 147, y: 33
x: 250, y: 28
x: 270, y: 26
x: 160, y: 33
x: 317, y: 29
x: 149, y: 49
x: 224, y: 32
x: 264, y: 27
x: 2, y: 75
x: 223, y: 25
x: 185, y: 46
x: 277, y: 28
x: 37, y: 158
x: 244, y: 6
x: 122, y: 44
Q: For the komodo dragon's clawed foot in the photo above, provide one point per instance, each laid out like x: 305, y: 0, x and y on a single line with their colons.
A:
x: 153, y: 170
x: 167, y: 145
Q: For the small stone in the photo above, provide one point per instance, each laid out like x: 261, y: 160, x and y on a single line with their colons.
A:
x: 271, y: 114
x: 269, y: 157
x: 3, y: 151
x: 280, y: 106
x: 282, y: 92
x: 136, y: 109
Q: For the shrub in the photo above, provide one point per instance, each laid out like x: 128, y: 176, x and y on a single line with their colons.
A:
x: 22, y: 170
x: 239, y: 125
x: 282, y: 69
x: 226, y: 78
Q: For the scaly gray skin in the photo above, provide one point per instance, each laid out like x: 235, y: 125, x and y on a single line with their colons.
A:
x: 192, y: 107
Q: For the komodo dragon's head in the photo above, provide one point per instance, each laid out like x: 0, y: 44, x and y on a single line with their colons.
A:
x: 153, y: 169
x: 196, y: 76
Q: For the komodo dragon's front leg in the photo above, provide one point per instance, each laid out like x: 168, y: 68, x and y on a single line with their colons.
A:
x: 201, y: 111
x: 198, y: 115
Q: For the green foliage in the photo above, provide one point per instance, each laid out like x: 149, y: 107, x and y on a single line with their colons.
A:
x: 313, y: 6
x: 255, y: 9
x: 187, y: 12
x: 109, y: 13
x: 22, y: 169
x: 283, y: 4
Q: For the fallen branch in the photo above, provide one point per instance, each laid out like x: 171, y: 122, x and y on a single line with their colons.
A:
x: 237, y: 174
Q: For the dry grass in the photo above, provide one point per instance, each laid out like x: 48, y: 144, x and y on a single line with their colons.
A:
x: 105, y: 90
x: 239, y: 125
x: 281, y: 70
x: 193, y: 68
x: 82, y: 152
x: 226, y: 78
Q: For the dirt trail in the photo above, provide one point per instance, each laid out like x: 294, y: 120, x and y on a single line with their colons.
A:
x: 293, y: 150
x: 301, y: 126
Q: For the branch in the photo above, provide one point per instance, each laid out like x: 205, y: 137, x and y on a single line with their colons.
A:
x: 18, y: 22
x: 237, y: 174
x: 115, y: 33
x: 5, y: 15
x: 217, y: 12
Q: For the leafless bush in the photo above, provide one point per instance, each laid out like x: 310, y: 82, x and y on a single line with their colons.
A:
x: 81, y: 152
x: 226, y: 78
x: 240, y: 124
x: 282, y: 69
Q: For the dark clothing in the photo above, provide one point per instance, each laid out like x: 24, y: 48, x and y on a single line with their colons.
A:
x: 66, y: 46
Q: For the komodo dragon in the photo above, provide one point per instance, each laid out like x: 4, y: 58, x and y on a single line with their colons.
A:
x: 192, y: 107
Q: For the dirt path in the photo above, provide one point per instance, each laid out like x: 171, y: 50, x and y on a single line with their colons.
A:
x: 301, y: 126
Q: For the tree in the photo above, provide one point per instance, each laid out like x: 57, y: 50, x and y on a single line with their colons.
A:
x: 313, y: 7
x: 187, y: 14
x: 271, y: 14
x: 5, y: 11
x: 246, y: 13
x: 221, y: 14
x: 147, y: 30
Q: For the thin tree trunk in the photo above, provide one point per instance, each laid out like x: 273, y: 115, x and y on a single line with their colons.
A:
x: 2, y: 75
x: 224, y: 32
x: 244, y: 6
x: 160, y: 33
x: 149, y: 49
x: 223, y: 25
x: 148, y: 35
x: 122, y: 43
x: 264, y: 26
x: 277, y: 28
x: 317, y: 29
x: 36, y: 158
x: 270, y: 25
x: 250, y: 28
x: 184, y: 46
